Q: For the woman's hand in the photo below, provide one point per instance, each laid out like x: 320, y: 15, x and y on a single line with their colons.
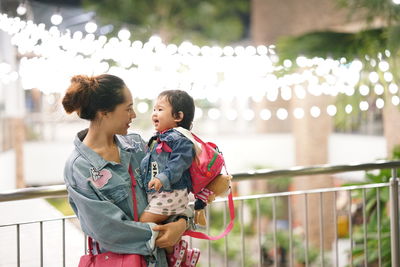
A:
x: 170, y: 233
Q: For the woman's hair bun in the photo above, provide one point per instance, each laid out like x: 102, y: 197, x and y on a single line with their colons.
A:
x: 85, y: 81
x: 78, y: 93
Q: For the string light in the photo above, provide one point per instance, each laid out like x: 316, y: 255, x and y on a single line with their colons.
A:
x: 56, y: 18
x: 379, y: 90
x: 383, y: 66
x: 91, y: 27
x: 315, y: 111
x: 395, y: 100
x: 21, y: 9
x: 282, y: 114
x: 265, y: 114
x: 287, y: 63
x: 364, y: 90
x: 124, y: 34
x: 142, y: 107
x: 373, y: 77
x: 214, y: 114
x: 364, y: 105
x: 393, y: 88
x: 286, y: 93
x: 331, y: 110
x: 299, y: 91
x: 388, y: 76
x: 348, y: 109
x: 380, y: 103
x: 248, y: 114
x: 231, y: 114
x: 213, y: 71
x: 262, y: 50
x: 228, y: 51
x: 298, y: 113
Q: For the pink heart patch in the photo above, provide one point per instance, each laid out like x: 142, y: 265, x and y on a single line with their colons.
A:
x: 103, y: 177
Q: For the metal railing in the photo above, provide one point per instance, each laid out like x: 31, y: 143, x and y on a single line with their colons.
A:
x: 261, y: 238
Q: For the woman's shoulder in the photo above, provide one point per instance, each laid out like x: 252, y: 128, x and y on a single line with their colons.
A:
x: 131, y: 141
x: 76, y: 166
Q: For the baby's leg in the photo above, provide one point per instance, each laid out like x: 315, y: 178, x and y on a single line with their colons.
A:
x: 151, y: 217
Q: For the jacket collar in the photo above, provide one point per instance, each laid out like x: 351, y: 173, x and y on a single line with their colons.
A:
x: 95, y: 159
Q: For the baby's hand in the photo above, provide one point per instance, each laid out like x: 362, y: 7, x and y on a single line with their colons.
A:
x: 155, y: 184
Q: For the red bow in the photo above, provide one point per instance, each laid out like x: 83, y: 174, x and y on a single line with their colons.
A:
x: 163, y: 146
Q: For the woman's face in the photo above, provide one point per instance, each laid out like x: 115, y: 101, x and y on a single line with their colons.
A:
x: 119, y: 120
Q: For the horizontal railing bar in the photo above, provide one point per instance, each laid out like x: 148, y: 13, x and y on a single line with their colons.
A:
x: 250, y: 197
x: 313, y: 170
x: 34, y: 192
x: 60, y: 190
x: 309, y: 191
x: 44, y: 220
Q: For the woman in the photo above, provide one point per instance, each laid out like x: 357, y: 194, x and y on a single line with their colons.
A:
x: 97, y: 177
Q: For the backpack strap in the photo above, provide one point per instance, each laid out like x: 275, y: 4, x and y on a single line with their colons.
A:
x: 195, y: 140
x: 228, y: 228
x: 188, y: 134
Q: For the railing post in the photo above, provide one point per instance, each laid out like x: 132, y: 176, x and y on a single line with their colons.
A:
x: 394, y: 218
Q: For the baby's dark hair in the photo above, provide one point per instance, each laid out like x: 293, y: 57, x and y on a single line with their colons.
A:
x: 180, y: 101
x: 88, y: 95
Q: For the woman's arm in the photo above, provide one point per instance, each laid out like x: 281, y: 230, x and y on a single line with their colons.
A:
x: 110, y: 226
x: 170, y: 233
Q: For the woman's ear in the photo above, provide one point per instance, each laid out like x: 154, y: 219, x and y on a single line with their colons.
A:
x: 103, y: 114
x: 179, y: 116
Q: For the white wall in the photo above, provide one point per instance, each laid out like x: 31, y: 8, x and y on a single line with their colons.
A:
x: 7, y: 171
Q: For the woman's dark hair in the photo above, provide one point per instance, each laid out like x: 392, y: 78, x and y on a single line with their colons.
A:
x: 180, y: 101
x: 88, y: 95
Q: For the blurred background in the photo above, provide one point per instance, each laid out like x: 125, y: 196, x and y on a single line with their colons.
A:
x: 277, y: 84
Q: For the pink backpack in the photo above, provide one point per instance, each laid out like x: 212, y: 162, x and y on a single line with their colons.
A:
x: 207, y: 164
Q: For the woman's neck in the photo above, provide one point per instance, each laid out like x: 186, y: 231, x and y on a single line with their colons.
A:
x: 97, y: 137
x: 102, y: 143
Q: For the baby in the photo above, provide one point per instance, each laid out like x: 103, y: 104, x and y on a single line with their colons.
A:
x: 165, y: 168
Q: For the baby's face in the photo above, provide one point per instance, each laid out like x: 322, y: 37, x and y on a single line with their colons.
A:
x: 162, y: 115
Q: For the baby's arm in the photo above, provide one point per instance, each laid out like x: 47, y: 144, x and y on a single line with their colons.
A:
x: 180, y: 160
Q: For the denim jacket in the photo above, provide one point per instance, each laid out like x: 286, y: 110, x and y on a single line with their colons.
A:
x: 100, y: 193
x: 169, y: 164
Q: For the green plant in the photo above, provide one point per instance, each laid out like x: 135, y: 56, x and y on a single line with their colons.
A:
x: 201, y: 22
x: 234, y: 238
x: 283, y: 248
x: 62, y: 205
x: 373, y: 219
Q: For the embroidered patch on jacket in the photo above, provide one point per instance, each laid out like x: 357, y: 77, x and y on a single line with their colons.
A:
x: 99, y: 178
x: 154, y: 169
x: 136, y: 146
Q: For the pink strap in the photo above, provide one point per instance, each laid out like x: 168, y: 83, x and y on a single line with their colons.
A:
x: 227, y: 229
x: 135, y: 209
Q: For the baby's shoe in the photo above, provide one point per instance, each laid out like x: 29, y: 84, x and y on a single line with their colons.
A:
x: 192, y: 257
x: 175, y: 259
